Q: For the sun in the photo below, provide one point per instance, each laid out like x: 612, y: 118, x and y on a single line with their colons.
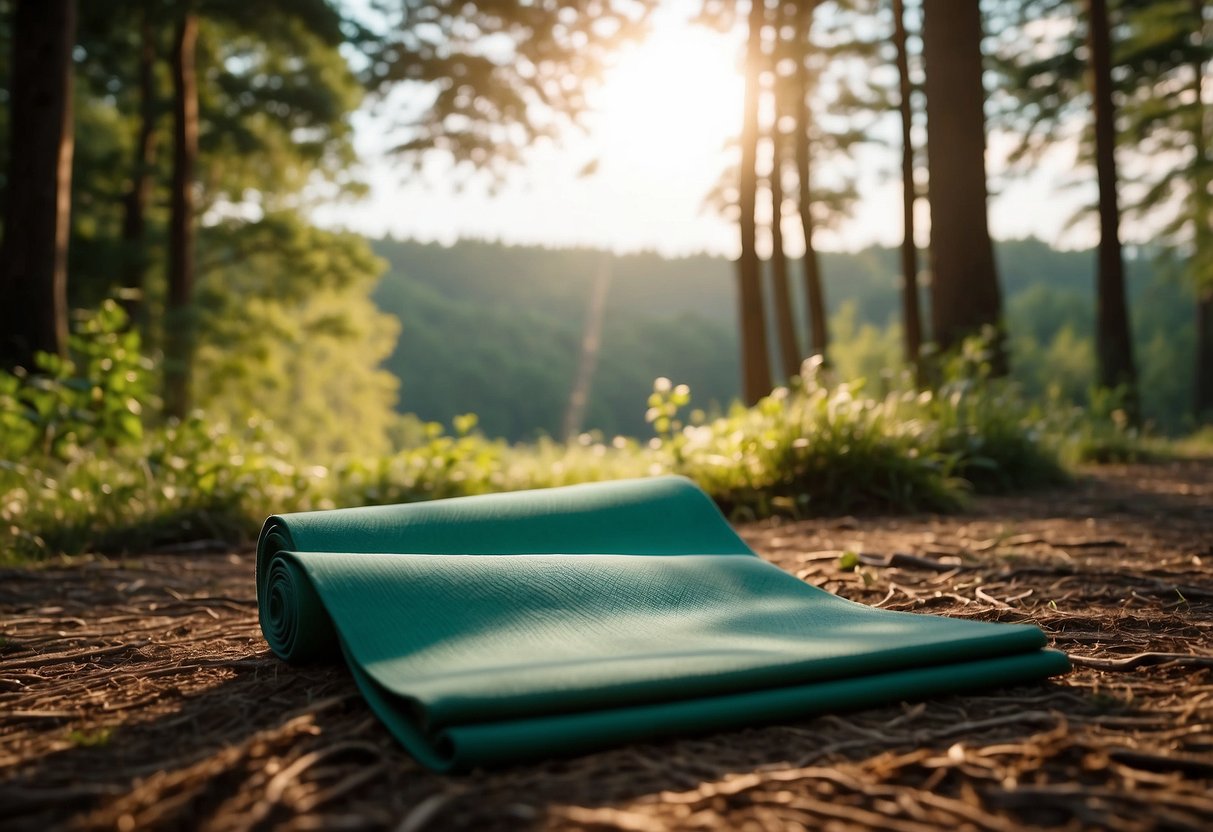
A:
x: 673, y: 99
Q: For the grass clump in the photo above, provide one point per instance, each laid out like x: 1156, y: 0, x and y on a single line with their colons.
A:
x: 814, y: 448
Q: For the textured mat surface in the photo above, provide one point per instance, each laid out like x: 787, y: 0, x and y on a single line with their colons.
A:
x: 513, y: 626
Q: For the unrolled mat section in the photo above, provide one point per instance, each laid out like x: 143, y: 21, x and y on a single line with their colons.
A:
x: 507, y: 627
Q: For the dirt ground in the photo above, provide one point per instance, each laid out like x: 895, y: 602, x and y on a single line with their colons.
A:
x: 138, y: 694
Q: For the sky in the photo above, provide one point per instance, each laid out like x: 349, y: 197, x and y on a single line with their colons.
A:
x: 660, y: 124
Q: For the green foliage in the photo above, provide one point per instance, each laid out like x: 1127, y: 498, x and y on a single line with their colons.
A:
x: 664, y: 404
x: 814, y: 447
x: 80, y: 471
x: 862, y: 349
x: 526, y: 308
x: 287, y: 333
x: 818, y: 448
x: 675, y: 318
x: 1102, y: 433
x: 1160, y: 49
x: 69, y: 406
x: 180, y: 482
x: 998, y: 438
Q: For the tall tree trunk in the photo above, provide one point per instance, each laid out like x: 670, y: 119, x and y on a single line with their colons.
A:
x: 911, y: 317
x: 134, y: 223
x: 785, y: 322
x: 814, y: 292
x: 755, y: 362
x: 1113, y: 340
x: 33, y: 256
x: 178, y: 317
x: 1202, y: 219
x: 964, y: 282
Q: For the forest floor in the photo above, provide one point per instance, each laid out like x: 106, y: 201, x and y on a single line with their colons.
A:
x: 138, y: 694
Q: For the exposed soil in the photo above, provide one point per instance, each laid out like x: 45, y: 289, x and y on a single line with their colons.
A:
x: 138, y: 694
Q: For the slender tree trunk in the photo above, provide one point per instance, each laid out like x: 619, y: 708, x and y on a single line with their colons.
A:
x: 814, y: 292
x: 785, y: 322
x: 964, y: 282
x: 33, y: 256
x: 1202, y: 219
x: 911, y: 317
x: 178, y: 315
x: 134, y: 223
x: 1113, y: 340
x: 755, y: 362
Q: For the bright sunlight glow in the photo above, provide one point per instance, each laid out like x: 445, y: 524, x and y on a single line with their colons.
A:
x: 677, y: 95
x: 661, y: 122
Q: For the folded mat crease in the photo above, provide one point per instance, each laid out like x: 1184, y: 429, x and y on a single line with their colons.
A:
x: 507, y: 627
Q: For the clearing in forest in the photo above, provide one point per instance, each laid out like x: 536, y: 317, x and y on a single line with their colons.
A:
x: 139, y: 694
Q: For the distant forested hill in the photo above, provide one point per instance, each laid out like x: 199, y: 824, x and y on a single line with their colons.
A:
x: 497, y: 330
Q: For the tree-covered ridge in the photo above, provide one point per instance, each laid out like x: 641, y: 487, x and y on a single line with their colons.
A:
x: 676, y: 318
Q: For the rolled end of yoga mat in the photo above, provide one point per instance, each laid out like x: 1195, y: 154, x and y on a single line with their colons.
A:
x: 296, y: 624
x: 667, y: 515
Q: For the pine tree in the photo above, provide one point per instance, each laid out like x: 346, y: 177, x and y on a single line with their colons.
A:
x: 1063, y: 79
x: 1163, y: 63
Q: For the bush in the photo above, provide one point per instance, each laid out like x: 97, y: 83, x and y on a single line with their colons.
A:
x: 70, y: 406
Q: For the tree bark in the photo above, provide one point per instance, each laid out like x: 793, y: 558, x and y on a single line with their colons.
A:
x: 785, y: 322
x: 134, y: 223
x: 814, y: 292
x: 755, y: 362
x: 1113, y: 340
x: 33, y: 256
x: 965, y: 296
x: 911, y: 316
x: 1202, y: 219
x: 178, y: 338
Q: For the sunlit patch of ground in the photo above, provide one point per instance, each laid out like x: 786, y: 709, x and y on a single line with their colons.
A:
x: 138, y: 694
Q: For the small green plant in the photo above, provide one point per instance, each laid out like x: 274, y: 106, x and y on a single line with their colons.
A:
x: 93, y: 397
x: 665, y: 402
x: 848, y: 561
x: 1103, y: 432
x: 83, y: 738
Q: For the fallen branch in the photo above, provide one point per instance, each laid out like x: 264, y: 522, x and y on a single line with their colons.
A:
x: 74, y: 655
x: 1141, y: 660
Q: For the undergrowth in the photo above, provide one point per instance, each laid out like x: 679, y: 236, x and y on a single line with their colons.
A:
x: 82, y: 468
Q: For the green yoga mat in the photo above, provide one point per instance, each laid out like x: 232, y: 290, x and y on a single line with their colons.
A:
x: 508, y: 627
